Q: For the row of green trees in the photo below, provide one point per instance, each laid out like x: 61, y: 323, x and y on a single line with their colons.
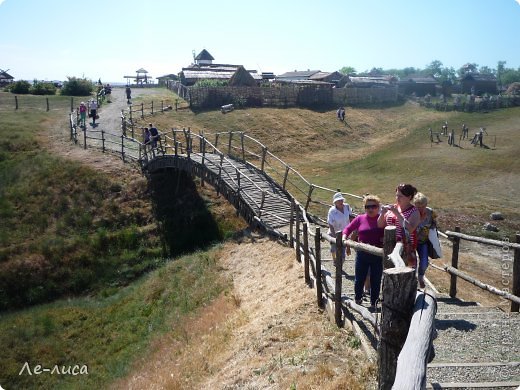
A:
x: 504, y: 75
x: 72, y: 87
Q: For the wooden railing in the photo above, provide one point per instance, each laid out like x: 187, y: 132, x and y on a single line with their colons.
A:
x: 510, y: 267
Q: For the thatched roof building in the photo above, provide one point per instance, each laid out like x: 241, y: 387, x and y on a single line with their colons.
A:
x: 5, y: 78
x: 296, y: 75
x: 367, y: 81
x: 419, y: 85
x: 328, y: 77
x: 478, y: 83
x: 242, y: 77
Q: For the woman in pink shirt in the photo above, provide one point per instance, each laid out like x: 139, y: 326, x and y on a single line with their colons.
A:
x: 405, y: 217
x: 368, y: 233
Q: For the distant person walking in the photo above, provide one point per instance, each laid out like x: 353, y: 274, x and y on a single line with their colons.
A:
x: 154, y: 135
x: 128, y: 92
x: 465, y: 131
x: 82, y: 114
x: 93, y: 111
x: 341, y: 114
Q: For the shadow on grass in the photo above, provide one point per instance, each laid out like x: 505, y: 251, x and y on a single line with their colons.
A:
x: 186, y: 224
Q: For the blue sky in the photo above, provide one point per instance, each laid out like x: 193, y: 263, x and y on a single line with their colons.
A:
x: 53, y: 39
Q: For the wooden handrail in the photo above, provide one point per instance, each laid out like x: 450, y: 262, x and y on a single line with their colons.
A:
x: 483, y: 240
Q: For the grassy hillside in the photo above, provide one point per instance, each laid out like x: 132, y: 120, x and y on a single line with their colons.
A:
x: 379, y: 148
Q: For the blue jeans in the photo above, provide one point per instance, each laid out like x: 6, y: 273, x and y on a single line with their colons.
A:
x: 365, y: 263
x: 422, y: 250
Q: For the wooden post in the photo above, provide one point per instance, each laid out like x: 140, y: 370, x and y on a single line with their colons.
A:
x: 243, y: 149
x: 309, y: 197
x: 516, y: 276
x: 291, y: 219
x: 85, y: 138
x: 152, y: 107
x: 306, y: 253
x: 454, y: 264
x: 216, y: 140
x: 103, y: 140
x: 188, y: 142
x: 297, y: 233
x: 399, y: 291
x: 388, y: 245
x: 220, y: 173
x: 203, y: 140
x: 317, y: 247
x: 47, y: 101
x: 229, y: 143
x: 339, y: 276
x: 16, y: 102
x: 264, y: 152
x: 285, y: 176
x: 142, y: 110
x: 71, y: 103
x: 262, y: 202
x: 123, y: 147
x: 415, y: 354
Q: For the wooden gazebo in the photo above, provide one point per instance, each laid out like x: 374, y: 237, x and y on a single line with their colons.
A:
x: 140, y: 78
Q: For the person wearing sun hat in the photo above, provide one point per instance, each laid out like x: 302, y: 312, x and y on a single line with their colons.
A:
x: 338, y: 217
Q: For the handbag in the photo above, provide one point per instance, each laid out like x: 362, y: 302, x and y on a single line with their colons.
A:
x: 434, y: 245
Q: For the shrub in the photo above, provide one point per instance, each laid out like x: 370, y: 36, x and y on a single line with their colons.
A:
x: 43, y: 88
x: 21, y: 87
x: 77, y: 87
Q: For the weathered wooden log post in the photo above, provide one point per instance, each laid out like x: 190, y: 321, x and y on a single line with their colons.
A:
x: 291, y: 219
x: 306, y: 253
x: 203, y: 147
x: 142, y: 110
x: 297, y: 232
x: 285, y: 176
x: 454, y: 263
x: 339, y: 276
x: 242, y: 145
x: 416, y: 352
x: 399, y: 291
x: 152, y: 107
x: 71, y: 103
x: 47, y: 101
x: 389, y: 240
x: 516, y: 276
x: 309, y: 197
x: 264, y: 153
x: 16, y: 102
x: 319, y: 287
x: 229, y: 143
x: 85, y: 137
x: 123, y: 147
x: 103, y: 140
x: 216, y: 140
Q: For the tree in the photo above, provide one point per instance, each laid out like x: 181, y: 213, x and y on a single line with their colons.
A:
x: 21, y: 87
x: 468, y: 68
x: 487, y: 70
x: 434, y: 69
x: 77, y: 87
x: 500, y: 70
x: 348, y: 70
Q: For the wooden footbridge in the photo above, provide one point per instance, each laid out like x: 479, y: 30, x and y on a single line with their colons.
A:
x: 420, y: 339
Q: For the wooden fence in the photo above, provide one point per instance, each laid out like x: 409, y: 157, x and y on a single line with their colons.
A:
x: 510, y: 267
x: 283, y: 96
x: 473, y: 106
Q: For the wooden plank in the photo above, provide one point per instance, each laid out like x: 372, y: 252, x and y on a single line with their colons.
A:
x: 480, y: 364
x: 472, y: 385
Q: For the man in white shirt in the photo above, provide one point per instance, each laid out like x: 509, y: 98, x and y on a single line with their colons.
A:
x: 338, y: 217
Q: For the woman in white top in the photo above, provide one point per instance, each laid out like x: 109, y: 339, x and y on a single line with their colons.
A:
x: 338, y: 217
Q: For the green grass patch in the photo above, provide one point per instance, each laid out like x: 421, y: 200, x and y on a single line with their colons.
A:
x: 105, y: 333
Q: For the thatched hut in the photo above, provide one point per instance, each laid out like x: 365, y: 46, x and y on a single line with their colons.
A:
x: 478, y: 84
x: 419, y: 85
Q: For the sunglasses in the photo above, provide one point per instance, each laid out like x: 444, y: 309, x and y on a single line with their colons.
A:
x: 371, y: 206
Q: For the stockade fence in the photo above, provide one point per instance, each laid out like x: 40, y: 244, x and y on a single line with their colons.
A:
x: 282, y: 95
x: 405, y: 327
